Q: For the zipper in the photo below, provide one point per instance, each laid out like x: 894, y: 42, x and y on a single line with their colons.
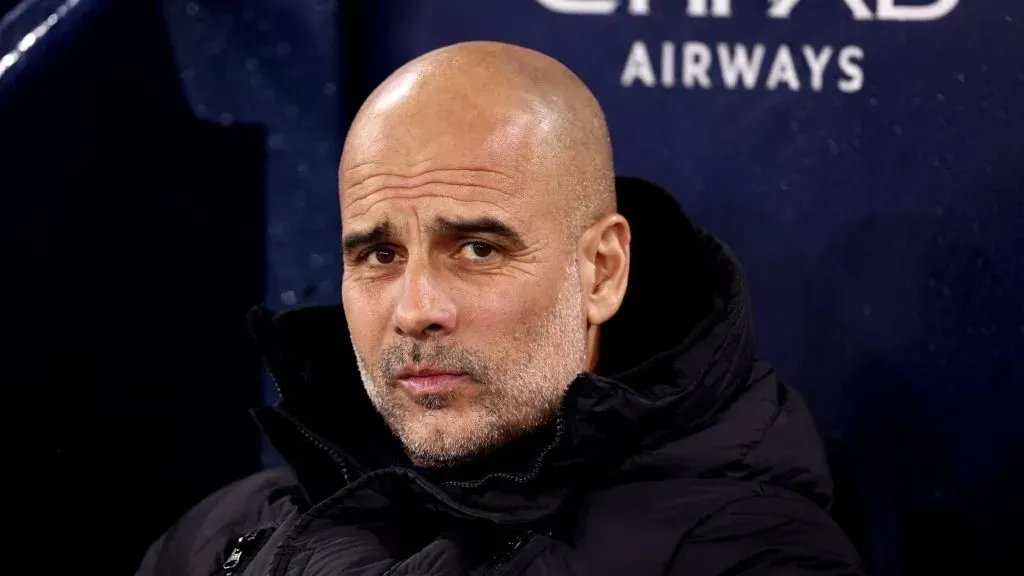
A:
x: 509, y: 551
x: 243, y: 552
x: 312, y: 438
x: 323, y: 446
x: 521, y: 478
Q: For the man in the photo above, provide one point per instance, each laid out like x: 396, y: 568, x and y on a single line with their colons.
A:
x: 509, y: 420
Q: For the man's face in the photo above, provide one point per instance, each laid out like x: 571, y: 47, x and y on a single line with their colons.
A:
x: 460, y: 289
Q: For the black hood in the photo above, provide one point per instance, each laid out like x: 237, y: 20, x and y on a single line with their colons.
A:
x: 677, y: 392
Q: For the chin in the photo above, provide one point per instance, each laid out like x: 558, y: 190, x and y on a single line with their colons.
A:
x: 448, y: 436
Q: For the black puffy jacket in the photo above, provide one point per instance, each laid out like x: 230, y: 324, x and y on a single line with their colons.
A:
x: 682, y: 455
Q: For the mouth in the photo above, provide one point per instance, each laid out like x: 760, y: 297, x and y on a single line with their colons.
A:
x: 426, y: 380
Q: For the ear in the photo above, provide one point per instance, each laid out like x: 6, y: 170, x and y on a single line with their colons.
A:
x: 603, y: 253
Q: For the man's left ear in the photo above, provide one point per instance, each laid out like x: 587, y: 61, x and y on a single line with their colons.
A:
x: 603, y: 251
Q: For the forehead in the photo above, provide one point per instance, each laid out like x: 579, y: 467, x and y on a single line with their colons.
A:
x: 477, y: 160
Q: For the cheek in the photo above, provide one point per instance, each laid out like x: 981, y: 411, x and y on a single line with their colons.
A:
x: 505, y: 310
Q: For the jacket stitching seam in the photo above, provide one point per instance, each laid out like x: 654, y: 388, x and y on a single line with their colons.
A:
x: 764, y: 433
x: 685, y: 536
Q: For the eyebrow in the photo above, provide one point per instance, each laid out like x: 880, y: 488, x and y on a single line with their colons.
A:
x: 355, y: 241
x: 384, y: 232
x: 468, y: 227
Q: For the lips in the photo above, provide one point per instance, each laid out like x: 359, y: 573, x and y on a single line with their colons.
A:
x: 422, y: 380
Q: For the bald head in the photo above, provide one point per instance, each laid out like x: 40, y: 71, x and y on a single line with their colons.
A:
x: 493, y: 106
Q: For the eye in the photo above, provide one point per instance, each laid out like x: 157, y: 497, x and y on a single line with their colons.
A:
x: 381, y: 256
x: 477, y: 251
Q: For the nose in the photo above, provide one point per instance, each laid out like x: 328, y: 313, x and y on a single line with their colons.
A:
x: 424, y: 309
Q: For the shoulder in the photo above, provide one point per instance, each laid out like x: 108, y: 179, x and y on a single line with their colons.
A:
x: 766, y: 532
x: 259, y: 489
x: 712, y: 526
x: 197, y: 539
x: 635, y: 526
